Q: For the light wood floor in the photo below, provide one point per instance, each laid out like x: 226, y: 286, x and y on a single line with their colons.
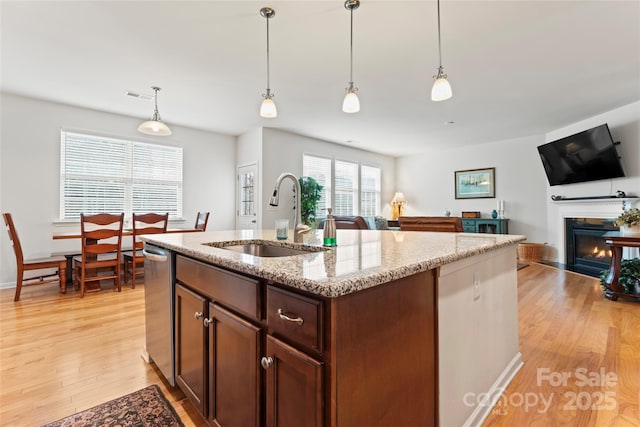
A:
x: 63, y: 354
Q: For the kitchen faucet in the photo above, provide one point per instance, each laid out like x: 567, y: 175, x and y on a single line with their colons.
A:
x: 298, y: 227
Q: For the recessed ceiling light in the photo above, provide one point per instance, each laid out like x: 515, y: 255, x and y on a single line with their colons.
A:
x: 450, y: 122
x: 352, y: 141
x: 139, y: 95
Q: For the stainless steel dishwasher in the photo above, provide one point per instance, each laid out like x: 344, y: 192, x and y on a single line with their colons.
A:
x: 159, y: 285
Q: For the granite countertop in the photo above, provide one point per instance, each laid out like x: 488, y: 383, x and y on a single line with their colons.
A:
x: 362, y: 259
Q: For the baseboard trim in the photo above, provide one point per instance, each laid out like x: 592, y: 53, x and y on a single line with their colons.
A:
x: 481, y: 412
x: 7, y: 285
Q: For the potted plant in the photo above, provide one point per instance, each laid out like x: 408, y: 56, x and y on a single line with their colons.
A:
x: 310, y: 193
x: 629, y: 222
x: 629, y: 276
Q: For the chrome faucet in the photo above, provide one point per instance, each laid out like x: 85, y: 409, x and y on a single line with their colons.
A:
x: 298, y: 227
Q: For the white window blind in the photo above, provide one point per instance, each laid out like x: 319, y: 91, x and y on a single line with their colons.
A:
x: 370, y: 190
x: 99, y: 174
x: 346, y: 188
x: 319, y: 168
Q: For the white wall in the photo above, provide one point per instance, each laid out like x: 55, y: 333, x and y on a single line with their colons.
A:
x: 624, y: 124
x: 427, y: 181
x: 282, y: 152
x: 30, y: 171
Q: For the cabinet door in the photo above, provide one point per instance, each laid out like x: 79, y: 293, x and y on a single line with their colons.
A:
x: 294, y: 389
x: 234, y: 374
x: 190, y: 336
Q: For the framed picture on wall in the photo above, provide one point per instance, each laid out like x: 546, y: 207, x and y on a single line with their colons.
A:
x: 475, y: 183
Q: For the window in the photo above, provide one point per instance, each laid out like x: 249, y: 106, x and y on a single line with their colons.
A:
x: 319, y: 168
x: 354, y: 187
x: 346, y: 188
x: 99, y: 174
x: 370, y: 192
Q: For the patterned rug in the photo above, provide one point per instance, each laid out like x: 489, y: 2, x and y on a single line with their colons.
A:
x: 143, y: 408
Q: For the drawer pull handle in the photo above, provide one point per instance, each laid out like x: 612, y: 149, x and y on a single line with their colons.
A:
x: 266, y: 362
x: 283, y: 316
x: 207, y: 322
x: 198, y: 315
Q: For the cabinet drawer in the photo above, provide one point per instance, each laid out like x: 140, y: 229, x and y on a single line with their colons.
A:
x: 229, y: 289
x: 295, y: 318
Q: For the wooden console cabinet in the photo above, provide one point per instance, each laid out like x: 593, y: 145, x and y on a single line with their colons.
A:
x: 252, y: 352
x: 613, y: 289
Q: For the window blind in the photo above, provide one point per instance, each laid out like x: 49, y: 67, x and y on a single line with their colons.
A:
x: 319, y: 168
x: 346, y: 188
x: 100, y: 174
x: 370, y: 191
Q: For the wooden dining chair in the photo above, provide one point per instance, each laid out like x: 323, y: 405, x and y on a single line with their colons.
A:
x: 34, y: 271
x: 430, y: 223
x: 150, y: 223
x: 101, y: 249
x: 201, y: 221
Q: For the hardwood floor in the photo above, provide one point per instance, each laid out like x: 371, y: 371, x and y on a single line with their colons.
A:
x: 62, y: 354
x: 568, y: 331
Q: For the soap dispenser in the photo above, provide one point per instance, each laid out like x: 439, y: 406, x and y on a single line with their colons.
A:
x: 330, y: 230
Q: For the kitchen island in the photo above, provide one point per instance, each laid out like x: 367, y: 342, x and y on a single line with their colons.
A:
x: 387, y: 328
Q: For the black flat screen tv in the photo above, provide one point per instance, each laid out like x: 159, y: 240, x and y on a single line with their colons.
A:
x: 589, y: 155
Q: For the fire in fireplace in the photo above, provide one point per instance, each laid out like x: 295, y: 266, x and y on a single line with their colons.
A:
x: 586, y: 250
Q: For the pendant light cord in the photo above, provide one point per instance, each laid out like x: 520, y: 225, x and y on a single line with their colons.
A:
x: 268, y: 74
x: 351, y: 49
x: 439, y: 42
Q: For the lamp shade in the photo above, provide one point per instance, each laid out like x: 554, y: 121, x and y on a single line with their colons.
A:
x: 154, y: 127
x: 351, y: 103
x: 441, y: 90
x: 398, y: 198
x: 268, y: 109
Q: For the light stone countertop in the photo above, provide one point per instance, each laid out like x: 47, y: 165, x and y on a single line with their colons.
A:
x: 362, y: 259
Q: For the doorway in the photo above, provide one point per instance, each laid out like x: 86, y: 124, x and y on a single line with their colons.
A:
x: 248, y: 205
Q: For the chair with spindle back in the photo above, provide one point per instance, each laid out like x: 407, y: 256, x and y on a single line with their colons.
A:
x: 201, y: 221
x: 150, y: 223
x: 101, y: 248
x: 34, y: 271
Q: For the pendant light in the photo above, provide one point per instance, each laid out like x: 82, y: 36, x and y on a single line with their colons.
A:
x: 441, y: 89
x: 268, y: 108
x: 155, y: 126
x: 351, y: 103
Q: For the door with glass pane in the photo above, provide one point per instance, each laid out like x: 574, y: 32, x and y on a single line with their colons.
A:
x: 248, y: 203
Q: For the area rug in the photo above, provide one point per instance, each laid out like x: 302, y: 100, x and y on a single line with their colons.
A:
x: 143, y: 408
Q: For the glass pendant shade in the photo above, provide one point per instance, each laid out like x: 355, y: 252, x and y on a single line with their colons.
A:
x: 351, y: 103
x: 441, y: 89
x: 155, y: 126
x: 268, y: 109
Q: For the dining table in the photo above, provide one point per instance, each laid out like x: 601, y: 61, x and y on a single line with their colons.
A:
x: 64, y: 235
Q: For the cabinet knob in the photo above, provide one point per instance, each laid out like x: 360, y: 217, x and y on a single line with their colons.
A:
x: 199, y: 315
x: 207, y: 322
x: 299, y: 320
x: 266, y: 362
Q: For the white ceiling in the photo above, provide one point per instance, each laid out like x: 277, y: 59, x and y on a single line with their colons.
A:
x: 517, y: 68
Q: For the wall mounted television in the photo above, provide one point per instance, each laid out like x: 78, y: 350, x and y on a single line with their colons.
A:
x: 589, y: 155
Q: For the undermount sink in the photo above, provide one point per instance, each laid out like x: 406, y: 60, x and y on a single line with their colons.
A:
x: 266, y: 249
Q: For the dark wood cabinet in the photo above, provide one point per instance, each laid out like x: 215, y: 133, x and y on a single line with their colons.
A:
x: 255, y: 353
x: 294, y: 389
x: 234, y: 373
x: 190, y: 342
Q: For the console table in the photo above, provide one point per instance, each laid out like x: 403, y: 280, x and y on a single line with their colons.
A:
x: 613, y: 289
x: 485, y: 225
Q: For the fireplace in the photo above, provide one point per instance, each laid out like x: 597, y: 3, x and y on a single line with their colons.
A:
x: 586, y: 250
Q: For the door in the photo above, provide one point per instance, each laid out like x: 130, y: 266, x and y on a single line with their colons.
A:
x: 248, y: 206
x: 191, y: 346
x: 293, y: 386
x: 234, y: 374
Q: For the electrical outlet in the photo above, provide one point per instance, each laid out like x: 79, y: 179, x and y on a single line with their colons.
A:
x: 476, y: 286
